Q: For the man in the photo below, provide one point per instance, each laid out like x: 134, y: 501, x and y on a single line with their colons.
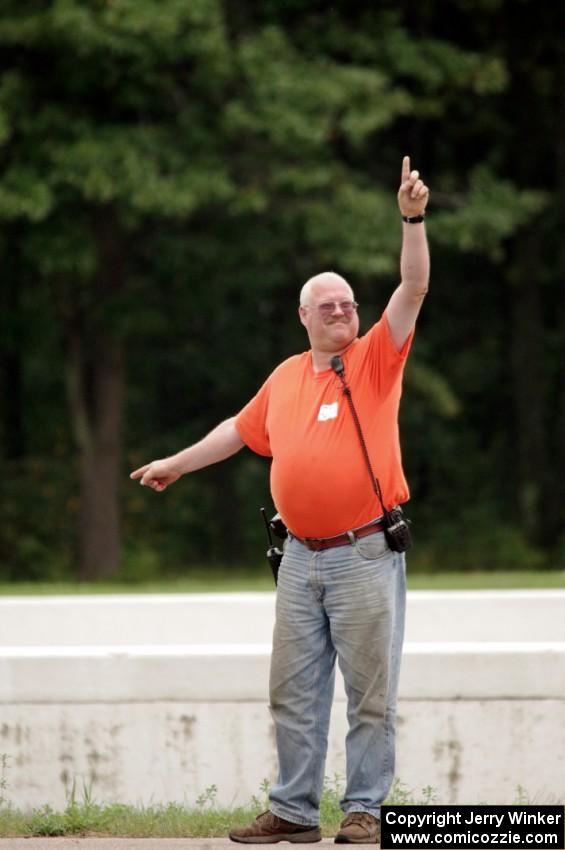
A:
x: 341, y: 590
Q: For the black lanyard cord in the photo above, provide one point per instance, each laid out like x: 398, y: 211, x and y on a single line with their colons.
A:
x: 337, y: 366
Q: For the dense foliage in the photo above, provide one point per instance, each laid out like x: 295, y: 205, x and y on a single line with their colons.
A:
x: 171, y: 172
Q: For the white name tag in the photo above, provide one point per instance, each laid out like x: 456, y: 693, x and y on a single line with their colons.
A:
x: 327, y: 411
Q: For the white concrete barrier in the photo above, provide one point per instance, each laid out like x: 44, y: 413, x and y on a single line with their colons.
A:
x: 156, y: 698
x: 518, y: 615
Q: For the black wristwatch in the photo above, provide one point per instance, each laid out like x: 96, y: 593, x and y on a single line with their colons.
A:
x: 413, y: 219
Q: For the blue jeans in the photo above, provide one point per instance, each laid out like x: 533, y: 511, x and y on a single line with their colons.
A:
x: 347, y: 601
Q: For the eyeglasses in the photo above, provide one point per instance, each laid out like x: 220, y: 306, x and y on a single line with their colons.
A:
x: 326, y: 308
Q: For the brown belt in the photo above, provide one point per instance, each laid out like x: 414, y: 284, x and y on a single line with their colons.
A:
x: 318, y: 543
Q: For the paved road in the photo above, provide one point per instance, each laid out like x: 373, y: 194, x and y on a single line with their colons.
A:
x: 130, y: 844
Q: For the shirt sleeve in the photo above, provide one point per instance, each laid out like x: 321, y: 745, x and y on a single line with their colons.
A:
x: 386, y: 362
x: 251, y: 422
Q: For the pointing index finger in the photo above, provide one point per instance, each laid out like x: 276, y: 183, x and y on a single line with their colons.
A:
x: 405, y: 169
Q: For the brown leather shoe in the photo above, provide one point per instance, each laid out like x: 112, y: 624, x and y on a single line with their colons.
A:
x: 268, y: 829
x: 359, y: 828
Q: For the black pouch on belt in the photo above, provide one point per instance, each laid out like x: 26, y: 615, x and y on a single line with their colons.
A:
x: 396, y: 530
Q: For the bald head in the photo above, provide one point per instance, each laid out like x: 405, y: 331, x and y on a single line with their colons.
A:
x: 331, y: 327
x: 318, y: 283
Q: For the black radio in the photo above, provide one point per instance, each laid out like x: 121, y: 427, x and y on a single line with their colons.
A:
x: 396, y: 530
x: 274, y: 554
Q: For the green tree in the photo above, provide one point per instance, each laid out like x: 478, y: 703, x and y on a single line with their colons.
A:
x: 171, y: 172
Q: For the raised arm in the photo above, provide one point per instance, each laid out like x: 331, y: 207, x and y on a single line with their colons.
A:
x: 219, y: 444
x: 405, y: 302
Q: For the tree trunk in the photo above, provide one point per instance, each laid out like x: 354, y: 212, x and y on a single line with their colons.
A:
x: 530, y: 349
x: 96, y: 394
x: 11, y: 403
x: 556, y: 505
x: 98, y: 432
x: 529, y: 387
x: 11, y: 381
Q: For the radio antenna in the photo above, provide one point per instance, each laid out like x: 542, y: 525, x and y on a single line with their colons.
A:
x: 267, y: 526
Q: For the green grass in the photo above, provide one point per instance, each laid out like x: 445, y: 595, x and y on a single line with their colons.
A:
x: 204, y: 819
x: 171, y: 820
x: 201, y: 580
x: 487, y: 580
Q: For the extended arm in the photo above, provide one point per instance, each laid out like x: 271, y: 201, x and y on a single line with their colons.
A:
x: 404, y: 305
x: 219, y: 444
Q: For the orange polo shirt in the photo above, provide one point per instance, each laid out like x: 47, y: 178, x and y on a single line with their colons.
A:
x: 319, y: 480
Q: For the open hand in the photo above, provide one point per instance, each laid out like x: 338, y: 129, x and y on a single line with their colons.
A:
x: 413, y: 194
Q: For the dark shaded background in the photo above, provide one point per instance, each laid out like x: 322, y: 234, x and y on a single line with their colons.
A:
x: 171, y: 172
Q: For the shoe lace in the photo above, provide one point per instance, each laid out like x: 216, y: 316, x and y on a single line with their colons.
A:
x: 362, y: 818
x: 267, y: 818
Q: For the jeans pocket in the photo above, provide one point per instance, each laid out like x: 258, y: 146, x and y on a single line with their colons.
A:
x: 373, y: 547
